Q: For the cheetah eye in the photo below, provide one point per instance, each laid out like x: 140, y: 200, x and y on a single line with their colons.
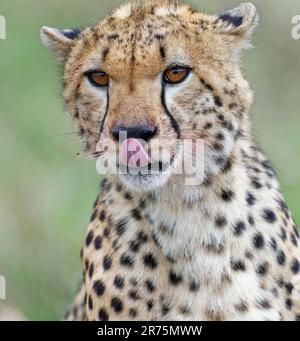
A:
x: 97, y: 78
x: 176, y: 74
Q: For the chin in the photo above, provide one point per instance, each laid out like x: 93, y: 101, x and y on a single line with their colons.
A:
x: 145, y: 182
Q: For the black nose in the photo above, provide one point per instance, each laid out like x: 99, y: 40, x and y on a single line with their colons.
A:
x: 143, y: 132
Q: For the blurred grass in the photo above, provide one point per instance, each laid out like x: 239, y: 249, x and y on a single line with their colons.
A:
x: 46, y: 193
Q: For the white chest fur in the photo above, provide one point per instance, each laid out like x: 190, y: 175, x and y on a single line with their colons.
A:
x: 203, y: 256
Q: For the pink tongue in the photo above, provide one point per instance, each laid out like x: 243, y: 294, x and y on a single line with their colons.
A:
x: 133, y: 153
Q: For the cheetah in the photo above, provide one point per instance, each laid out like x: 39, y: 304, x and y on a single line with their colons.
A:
x: 157, y: 248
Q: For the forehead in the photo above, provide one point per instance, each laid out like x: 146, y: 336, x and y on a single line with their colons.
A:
x: 145, y: 41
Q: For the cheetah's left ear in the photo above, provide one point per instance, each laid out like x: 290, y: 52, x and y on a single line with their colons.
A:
x: 238, y: 24
x: 60, y: 42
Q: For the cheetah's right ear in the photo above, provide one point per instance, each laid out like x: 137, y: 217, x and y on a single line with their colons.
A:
x: 58, y: 41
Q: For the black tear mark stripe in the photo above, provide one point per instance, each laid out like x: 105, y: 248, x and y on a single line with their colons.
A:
x: 105, y: 115
x: 132, y: 61
x: 173, y: 121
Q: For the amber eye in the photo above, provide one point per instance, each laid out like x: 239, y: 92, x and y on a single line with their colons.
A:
x: 98, y: 78
x: 176, y: 74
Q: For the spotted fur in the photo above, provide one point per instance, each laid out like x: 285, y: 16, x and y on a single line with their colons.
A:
x: 156, y: 249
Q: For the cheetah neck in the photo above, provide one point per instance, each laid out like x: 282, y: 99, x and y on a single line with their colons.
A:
x: 194, y: 225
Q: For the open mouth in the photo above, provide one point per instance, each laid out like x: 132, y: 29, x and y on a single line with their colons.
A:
x: 146, y: 166
x: 142, y: 165
x: 135, y: 158
x: 139, y: 168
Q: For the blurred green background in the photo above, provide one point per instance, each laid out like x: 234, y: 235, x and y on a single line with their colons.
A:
x: 46, y: 193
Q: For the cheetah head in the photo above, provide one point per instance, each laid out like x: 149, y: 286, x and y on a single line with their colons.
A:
x: 157, y: 71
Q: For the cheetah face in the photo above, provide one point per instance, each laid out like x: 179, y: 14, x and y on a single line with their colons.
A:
x: 161, y: 73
